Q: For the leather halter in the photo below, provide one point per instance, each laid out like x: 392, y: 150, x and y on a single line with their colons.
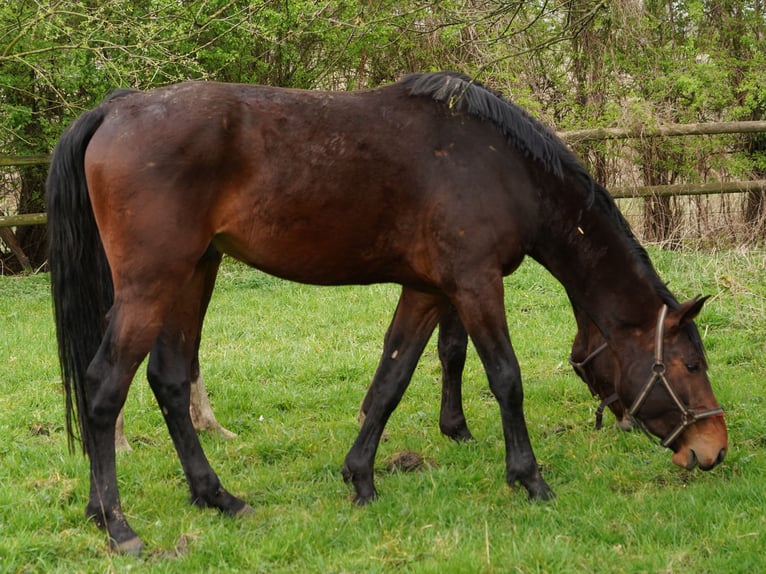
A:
x: 579, y: 367
x: 688, y: 416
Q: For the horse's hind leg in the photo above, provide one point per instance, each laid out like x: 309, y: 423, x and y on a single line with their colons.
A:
x: 414, y: 321
x: 172, y: 363
x: 201, y: 412
x: 127, y: 339
x: 202, y: 415
x: 453, y: 341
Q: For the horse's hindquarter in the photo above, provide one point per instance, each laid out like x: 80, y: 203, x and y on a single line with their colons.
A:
x: 311, y: 186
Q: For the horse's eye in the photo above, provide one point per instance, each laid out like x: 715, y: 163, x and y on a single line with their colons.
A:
x: 692, y: 367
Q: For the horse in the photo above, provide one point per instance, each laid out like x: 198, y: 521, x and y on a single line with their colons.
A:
x: 435, y: 183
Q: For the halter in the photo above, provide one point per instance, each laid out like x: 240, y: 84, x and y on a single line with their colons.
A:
x: 688, y: 416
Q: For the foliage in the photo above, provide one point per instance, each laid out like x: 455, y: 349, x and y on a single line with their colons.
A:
x: 576, y: 64
x: 287, y: 366
x: 580, y: 60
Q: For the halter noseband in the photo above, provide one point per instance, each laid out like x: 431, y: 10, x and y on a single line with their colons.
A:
x: 688, y: 416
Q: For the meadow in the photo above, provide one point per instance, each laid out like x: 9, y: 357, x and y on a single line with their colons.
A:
x: 287, y: 366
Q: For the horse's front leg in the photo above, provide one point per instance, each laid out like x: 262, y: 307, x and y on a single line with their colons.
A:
x: 120, y: 441
x: 202, y: 415
x: 201, y: 412
x: 453, y: 342
x: 482, y: 310
x: 414, y: 321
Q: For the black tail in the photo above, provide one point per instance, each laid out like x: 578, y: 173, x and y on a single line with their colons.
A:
x: 81, y: 281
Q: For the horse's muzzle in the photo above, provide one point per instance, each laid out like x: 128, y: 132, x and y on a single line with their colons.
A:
x: 704, y: 444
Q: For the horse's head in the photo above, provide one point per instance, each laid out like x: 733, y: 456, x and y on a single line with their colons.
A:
x: 664, y: 381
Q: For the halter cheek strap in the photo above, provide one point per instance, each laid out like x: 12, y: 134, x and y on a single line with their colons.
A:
x: 688, y: 416
x: 579, y: 367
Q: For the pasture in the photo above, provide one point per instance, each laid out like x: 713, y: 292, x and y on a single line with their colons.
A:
x: 287, y: 366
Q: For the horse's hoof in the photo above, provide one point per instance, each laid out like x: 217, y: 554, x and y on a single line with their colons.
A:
x: 225, y: 433
x: 463, y: 435
x: 364, y: 499
x: 246, y: 510
x: 121, y: 444
x: 365, y: 490
x: 216, y: 429
x: 458, y: 433
x: 535, y: 485
x: 625, y: 424
x: 540, y: 492
x: 131, y: 547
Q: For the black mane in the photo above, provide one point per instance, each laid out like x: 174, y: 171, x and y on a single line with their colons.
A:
x: 535, y: 140
x: 527, y: 134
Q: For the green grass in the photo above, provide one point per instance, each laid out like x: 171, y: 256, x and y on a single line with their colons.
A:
x: 287, y: 366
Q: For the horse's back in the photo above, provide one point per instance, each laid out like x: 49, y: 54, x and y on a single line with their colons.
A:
x: 320, y: 187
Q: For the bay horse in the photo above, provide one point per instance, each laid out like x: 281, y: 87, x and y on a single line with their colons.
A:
x: 435, y: 183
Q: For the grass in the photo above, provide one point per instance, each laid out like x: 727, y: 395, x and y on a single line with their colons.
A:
x: 287, y: 366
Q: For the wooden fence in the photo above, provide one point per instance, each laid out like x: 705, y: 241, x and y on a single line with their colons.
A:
x: 576, y: 136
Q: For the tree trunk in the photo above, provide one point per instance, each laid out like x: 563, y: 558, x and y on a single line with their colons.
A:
x: 33, y: 238
x: 755, y: 203
x: 659, y: 216
x: 9, y: 238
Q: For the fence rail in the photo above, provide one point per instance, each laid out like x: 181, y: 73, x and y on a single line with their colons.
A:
x: 23, y: 219
x: 706, y: 129
x: 683, y: 189
x: 574, y: 136
x: 11, y: 161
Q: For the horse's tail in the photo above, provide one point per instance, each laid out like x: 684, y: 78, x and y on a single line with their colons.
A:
x: 81, y: 281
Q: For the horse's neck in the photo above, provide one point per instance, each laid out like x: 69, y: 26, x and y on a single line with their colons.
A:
x: 604, y: 275
x: 588, y: 336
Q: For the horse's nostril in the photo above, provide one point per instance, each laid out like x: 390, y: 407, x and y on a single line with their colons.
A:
x: 721, y: 456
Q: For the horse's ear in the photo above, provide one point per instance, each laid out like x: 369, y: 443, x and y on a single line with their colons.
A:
x: 688, y: 310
